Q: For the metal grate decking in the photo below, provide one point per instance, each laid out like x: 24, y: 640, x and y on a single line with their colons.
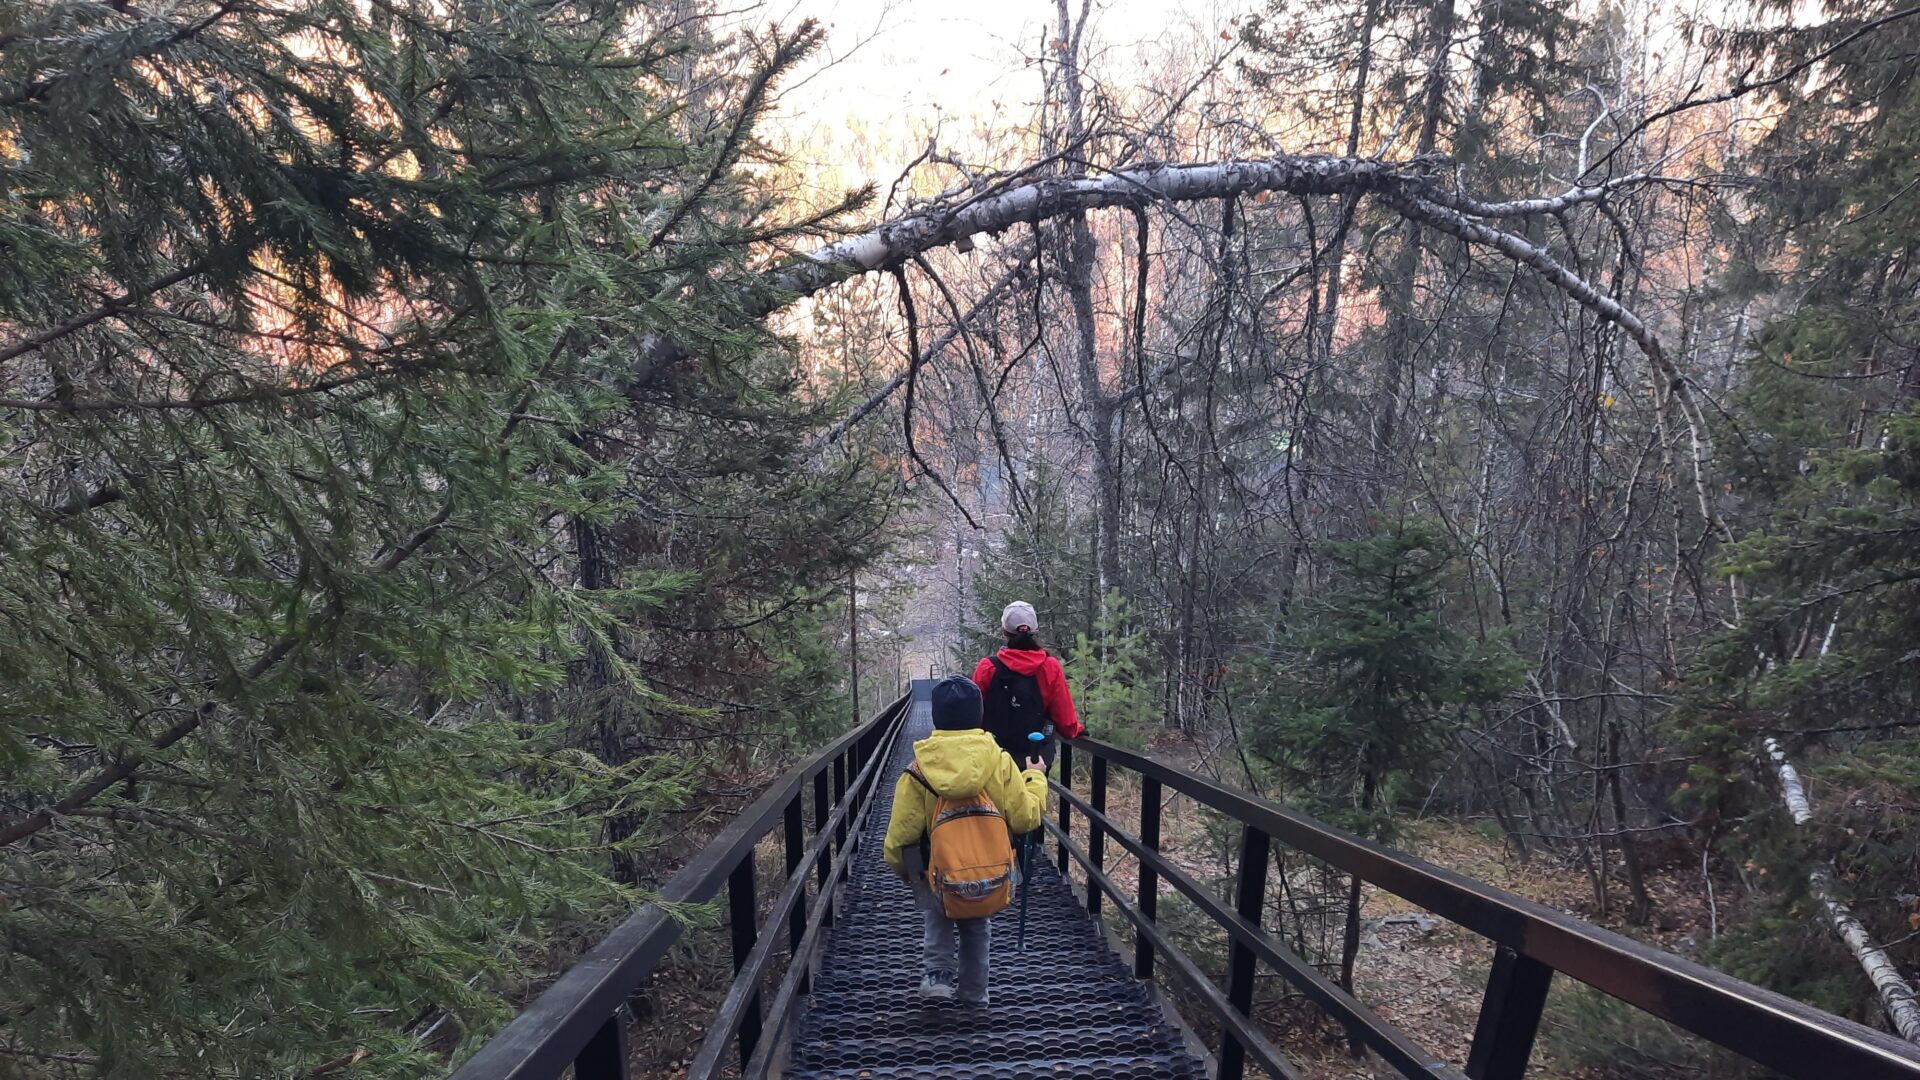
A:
x: 1066, y: 1007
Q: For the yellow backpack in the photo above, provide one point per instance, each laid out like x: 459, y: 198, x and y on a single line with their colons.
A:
x: 970, y: 864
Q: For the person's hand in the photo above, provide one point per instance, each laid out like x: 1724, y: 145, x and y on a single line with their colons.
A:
x: 1037, y: 764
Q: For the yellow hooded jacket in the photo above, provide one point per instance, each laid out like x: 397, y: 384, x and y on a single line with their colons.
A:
x: 958, y: 764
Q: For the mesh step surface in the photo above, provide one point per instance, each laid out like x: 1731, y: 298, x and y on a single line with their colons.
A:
x: 1066, y: 1007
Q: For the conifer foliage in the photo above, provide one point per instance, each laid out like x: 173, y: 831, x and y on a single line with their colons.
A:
x: 320, y: 321
x: 1822, y: 661
x: 1377, y: 684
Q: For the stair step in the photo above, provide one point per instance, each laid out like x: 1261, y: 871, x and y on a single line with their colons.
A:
x: 1042, y: 999
x: 926, y: 1021
x: 1126, y: 1040
x: 1154, y: 1067
x: 911, y: 1018
x: 903, y: 934
x: 1016, y: 984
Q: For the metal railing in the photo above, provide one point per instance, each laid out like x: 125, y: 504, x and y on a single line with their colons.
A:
x: 578, y: 1021
x: 1530, y: 944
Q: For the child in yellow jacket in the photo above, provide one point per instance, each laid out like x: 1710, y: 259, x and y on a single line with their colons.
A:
x: 959, y: 759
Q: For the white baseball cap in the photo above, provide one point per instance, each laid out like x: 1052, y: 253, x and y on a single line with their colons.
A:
x: 1019, y: 618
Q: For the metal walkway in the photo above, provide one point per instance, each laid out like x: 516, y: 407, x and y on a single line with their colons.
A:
x: 1066, y: 1007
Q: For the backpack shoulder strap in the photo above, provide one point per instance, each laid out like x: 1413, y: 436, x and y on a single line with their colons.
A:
x: 1000, y: 664
x: 913, y: 770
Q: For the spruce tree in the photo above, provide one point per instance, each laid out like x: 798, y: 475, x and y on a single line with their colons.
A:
x: 320, y: 320
x: 1111, y: 673
x: 1376, y: 682
x: 1375, y: 687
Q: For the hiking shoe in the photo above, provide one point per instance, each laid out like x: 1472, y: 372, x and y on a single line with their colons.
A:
x: 981, y: 1000
x: 937, y: 985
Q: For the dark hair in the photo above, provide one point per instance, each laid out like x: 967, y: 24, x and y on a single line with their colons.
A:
x: 1024, y: 639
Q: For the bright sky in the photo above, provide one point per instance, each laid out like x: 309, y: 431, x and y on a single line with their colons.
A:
x: 893, y: 70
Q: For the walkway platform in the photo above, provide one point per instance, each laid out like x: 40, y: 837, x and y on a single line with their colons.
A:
x: 1066, y: 1007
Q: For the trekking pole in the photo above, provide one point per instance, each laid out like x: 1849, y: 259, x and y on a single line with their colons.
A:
x: 1026, y: 859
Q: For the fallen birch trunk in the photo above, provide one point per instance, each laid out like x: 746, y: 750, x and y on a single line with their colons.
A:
x: 1412, y: 188
x: 1896, y: 994
x: 895, y: 242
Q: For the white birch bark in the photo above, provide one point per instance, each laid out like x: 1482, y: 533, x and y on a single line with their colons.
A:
x: 1553, y: 712
x: 1435, y: 211
x: 899, y: 240
x: 1791, y: 789
x: 1896, y: 994
x: 904, y: 237
x: 1410, y: 187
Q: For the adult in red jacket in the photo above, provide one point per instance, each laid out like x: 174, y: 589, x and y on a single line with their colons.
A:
x: 1024, y: 655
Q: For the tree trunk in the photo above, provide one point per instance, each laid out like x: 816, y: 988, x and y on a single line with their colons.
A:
x: 1350, y: 940
x: 1406, y: 265
x: 1305, y: 450
x: 1077, y: 265
x: 1363, y: 68
x: 853, y: 643
x: 609, y: 738
x: 1642, y: 906
x: 1896, y: 994
x: 1350, y: 943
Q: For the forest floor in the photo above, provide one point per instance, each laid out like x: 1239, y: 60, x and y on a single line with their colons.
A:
x: 1426, y: 975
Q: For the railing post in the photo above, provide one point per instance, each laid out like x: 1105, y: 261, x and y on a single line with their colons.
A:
x: 839, y: 797
x: 605, y: 1055
x: 1066, y: 812
x: 1096, y: 836
x: 743, y: 918
x: 1149, y: 879
x: 1250, y: 897
x: 796, y: 848
x: 862, y: 750
x: 822, y: 865
x: 1509, y: 1016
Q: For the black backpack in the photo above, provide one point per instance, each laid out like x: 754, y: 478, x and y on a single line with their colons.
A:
x: 1013, y: 710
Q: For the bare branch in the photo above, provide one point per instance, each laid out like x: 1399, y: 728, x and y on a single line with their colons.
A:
x: 913, y: 349
x: 1742, y: 88
x: 1023, y: 256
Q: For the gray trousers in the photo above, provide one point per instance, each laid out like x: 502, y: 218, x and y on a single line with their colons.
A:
x: 942, y: 938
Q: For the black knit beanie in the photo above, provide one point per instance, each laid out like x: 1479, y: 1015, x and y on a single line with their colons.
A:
x: 956, y: 704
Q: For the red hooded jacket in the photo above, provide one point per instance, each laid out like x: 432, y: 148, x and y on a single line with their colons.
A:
x: 1053, y: 686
